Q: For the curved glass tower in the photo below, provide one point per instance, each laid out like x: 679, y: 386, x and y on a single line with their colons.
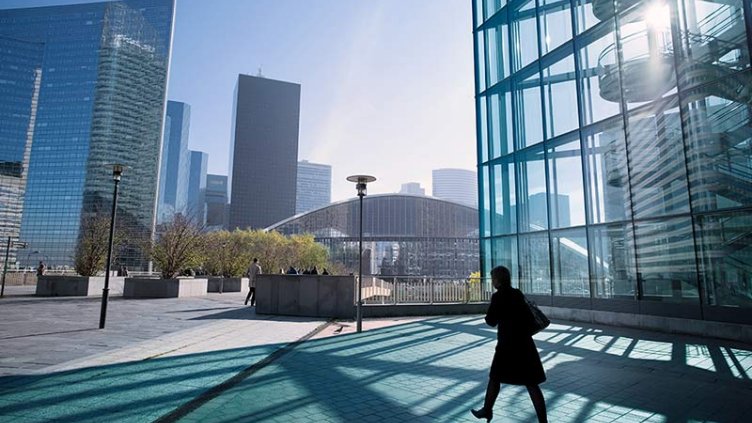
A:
x: 615, y: 153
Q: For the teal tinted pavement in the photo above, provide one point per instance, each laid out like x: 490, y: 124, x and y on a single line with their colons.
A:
x: 431, y: 370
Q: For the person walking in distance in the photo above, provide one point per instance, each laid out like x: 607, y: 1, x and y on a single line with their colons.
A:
x: 253, y: 271
x: 516, y: 360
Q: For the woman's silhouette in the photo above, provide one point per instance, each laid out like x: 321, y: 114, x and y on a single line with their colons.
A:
x: 516, y: 360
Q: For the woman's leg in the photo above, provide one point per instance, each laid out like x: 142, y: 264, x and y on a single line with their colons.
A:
x: 538, y: 402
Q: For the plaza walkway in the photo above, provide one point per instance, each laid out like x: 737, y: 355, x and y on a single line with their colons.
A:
x: 210, y: 359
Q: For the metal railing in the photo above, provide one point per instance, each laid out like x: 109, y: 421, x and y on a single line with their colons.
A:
x: 384, y: 290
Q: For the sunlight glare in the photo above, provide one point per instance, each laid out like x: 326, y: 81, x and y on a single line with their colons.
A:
x: 657, y: 16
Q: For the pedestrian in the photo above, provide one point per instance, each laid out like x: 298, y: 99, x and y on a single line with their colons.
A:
x: 253, y: 271
x: 292, y: 271
x: 314, y: 271
x: 516, y: 361
x: 325, y: 272
x: 125, y: 271
x: 41, y: 269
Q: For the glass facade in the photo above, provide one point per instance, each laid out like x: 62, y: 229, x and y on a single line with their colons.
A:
x: 402, y: 235
x: 314, y: 189
x: 458, y: 185
x: 101, y: 101
x: 196, y: 186
x: 615, y: 152
x: 216, y: 202
x: 176, y: 161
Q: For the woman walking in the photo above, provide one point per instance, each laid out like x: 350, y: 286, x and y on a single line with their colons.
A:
x: 516, y: 360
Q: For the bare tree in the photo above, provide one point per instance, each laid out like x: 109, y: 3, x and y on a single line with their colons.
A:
x: 178, y: 246
x: 91, y: 250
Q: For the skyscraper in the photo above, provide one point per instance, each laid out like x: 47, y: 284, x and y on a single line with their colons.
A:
x: 264, y: 152
x: 412, y: 188
x: 614, y: 152
x: 21, y: 63
x: 176, y: 161
x: 459, y: 185
x: 314, y: 186
x: 101, y: 101
x: 196, y: 187
x: 216, y: 202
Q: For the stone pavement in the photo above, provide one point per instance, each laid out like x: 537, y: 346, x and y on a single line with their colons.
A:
x: 164, y: 359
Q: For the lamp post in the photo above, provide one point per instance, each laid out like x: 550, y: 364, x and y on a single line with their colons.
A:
x: 117, y: 171
x: 360, y: 185
x: 9, y: 244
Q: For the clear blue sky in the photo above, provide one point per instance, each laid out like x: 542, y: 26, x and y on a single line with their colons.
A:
x: 387, y: 85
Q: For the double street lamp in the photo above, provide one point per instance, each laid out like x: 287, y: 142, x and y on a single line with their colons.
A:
x: 360, y: 185
x: 117, y: 171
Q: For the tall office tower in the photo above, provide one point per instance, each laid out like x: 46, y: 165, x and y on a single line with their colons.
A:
x: 21, y: 73
x: 216, y: 202
x: 314, y: 186
x: 196, y: 185
x: 264, y: 152
x: 614, y: 154
x: 101, y: 101
x: 413, y: 188
x: 176, y: 162
x: 458, y: 185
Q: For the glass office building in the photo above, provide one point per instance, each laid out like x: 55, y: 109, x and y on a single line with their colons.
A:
x: 101, y: 101
x: 176, y: 162
x: 314, y: 186
x: 615, y: 153
x: 403, y: 235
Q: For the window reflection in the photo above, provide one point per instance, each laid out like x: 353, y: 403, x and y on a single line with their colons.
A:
x: 535, y: 277
x: 505, y: 210
x: 612, y: 261
x: 606, y: 172
x: 533, y: 202
x: 570, y: 263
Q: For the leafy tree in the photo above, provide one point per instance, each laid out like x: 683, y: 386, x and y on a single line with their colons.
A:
x: 91, y: 250
x: 179, y: 245
x: 225, y: 254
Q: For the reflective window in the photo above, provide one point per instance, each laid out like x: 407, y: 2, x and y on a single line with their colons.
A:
x: 565, y: 187
x: 525, y: 34
x: 587, y: 16
x: 555, y: 24
x: 483, y: 128
x: 612, y: 261
x: 726, y: 260
x: 505, y: 210
x: 529, y: 125
x: 531, y: 188
x: 560, y: 97
x: 501, y: 123
x: 485, y: 203
x: 570, y: 263
x: 666, y: 259
x: 481, y: 68
x: 719, y: 126
x: 606, y: 172
x: 600, y: 82
x: 656, y: 161
x: 505, y: 254
x: 535, y: 277
x: 492, y: 6
x: 497, y: 47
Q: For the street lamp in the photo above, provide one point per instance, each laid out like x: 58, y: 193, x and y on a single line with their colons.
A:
x: 9, y: 244
x: 117, y: 171
x: 360, y: 185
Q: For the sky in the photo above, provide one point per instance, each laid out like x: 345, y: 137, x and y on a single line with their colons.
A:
x: 386, y: 85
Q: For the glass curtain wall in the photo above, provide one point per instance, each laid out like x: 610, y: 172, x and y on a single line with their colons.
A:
x: 615, y: 151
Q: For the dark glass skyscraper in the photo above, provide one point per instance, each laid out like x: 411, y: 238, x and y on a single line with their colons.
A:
x: 216, y: 202
x: 176, y: 161
x: 196, y: 186
x: 264, y: 152
x: 615, y: 153
x: 101, y: 101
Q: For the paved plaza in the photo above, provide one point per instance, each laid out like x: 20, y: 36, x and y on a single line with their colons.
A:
x: 210, y: 359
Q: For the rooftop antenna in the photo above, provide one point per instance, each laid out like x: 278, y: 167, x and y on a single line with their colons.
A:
x: 259, y: 74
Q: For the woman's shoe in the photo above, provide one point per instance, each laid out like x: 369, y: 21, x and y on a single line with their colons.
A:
x: 482, y: 414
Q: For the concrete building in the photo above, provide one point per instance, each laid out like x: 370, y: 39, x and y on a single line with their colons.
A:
x: 314, y: 189
x: 264, y: 152
x: 458, y: 185
x: 101, y: 101
x: 176, y: 162
x: 217, y: 207
x: 196, y: 201
x: 412, y: 188
x: 615, y: 143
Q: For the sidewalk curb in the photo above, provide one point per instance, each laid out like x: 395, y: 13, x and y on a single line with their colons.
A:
x: 217, y: 390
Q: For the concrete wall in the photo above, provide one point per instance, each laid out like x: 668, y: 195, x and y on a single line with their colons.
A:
x: 64, y: 286
x: 306, y: 295
x: 164, y: 288
x: 227, y: 285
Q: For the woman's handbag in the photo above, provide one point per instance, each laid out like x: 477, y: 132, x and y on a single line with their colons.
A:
x: 539, y: 321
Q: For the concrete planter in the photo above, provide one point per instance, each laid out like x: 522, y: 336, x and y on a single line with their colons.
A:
x: 72, y: 286
x: 227, y: 284
x: 306, y: 295
x: 164, y: 288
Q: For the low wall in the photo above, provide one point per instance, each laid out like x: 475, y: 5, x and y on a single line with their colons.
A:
x: 227, y: 285
x: 68, y: 286
x: 397, y: 310
x: 306, y: 295
x: 164, y: 288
